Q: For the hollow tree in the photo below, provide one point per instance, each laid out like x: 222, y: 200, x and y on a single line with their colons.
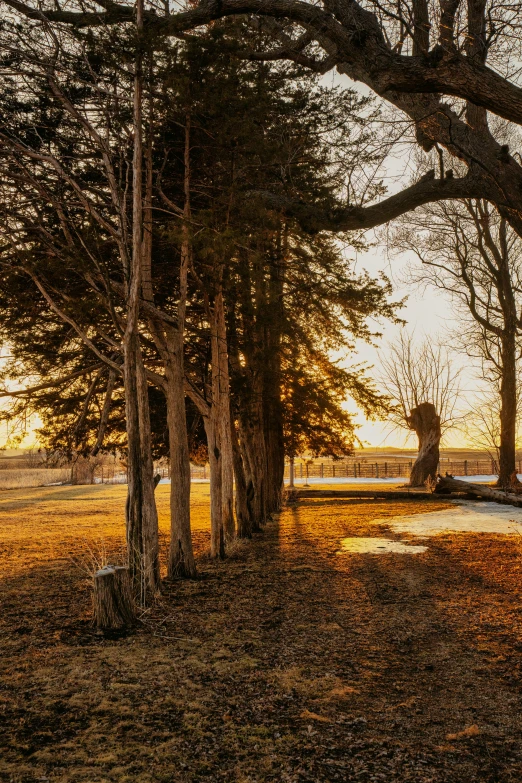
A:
x: 423, y: 386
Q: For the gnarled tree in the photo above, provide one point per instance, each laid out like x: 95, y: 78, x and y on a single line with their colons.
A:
x: 423, y: 386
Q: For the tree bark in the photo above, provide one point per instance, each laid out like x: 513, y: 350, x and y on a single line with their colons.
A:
x: 181, y: 561
x: 181, y: 553
x: 254, y: 448
x: 244, y: 521
x: 426, y: 423
x: 224, y: 418
x: 507, y: 476
x: 114, y: 608
x: 141, y: 513
x: 217, y: 532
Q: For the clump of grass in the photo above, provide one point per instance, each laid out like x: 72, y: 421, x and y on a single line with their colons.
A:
x: 93, y: 555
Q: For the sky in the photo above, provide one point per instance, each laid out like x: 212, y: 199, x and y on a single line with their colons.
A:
x: 427, y: 313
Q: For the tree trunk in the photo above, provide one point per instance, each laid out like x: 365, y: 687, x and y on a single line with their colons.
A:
x: 114, y: 608
x: 141, y: 513
x: 507, y: 476
x: 253, y: 444
x: 271, y: 368
x: 224, y: 418
x: 244, y: 521
x: 181, y: 554
x: 291, y: 481
x: 217, y: 533
x: 426, y: 423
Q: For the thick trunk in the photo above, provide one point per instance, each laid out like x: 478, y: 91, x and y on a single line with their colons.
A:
x: 508, y: 413
x: 253, y: 442
x: 181, y: 555
x: 426, y: 423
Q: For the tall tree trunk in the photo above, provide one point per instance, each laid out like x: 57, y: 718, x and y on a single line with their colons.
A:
x: 425, y: 421
x: 181, y: 554
x: 508, y: 411
x: 141, y: 514
x: 224, y: 419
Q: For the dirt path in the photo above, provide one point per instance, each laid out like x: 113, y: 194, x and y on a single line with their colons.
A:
x: 290, y: 662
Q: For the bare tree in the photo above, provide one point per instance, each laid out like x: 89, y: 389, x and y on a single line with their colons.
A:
x: 423, y: 385
x: 468, y: 249
x: 482, y: 424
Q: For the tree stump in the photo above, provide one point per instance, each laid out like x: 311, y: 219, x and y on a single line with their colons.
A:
x: 114, y: 608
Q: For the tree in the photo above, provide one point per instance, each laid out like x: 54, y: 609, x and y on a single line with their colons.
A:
x: 423, y: 386
x: 67, y: 209
x: 468, y: 249
x: 482, y: 425
x: 418, y: 57
x: 241, y: 269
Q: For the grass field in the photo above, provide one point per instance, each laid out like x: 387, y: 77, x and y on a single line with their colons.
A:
x: 289, y: 662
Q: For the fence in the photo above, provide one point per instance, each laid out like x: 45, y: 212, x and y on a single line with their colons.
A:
x: 341, y: 469
x: 388, y: 468
x: 112, y: 474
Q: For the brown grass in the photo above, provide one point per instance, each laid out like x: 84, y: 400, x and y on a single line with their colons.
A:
x: 33, y: 477
x: 288, y: 663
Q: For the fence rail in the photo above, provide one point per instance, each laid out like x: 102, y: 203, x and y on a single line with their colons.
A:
x: 389, y: 468
x: 117, y: 475
x: 329, y: 469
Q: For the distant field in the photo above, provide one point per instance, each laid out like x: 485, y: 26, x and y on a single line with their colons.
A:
x: 13, y: 478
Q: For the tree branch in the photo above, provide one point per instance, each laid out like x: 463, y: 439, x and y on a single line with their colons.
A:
x: 314, y: 219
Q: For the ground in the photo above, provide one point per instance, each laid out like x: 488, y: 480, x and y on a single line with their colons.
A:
x: 290, y: 662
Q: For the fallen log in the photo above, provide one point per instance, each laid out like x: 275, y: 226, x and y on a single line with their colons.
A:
x: 448, y: 484
x: 114, y: 608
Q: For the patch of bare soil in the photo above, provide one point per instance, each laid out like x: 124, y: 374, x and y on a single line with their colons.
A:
x: 290, y: 662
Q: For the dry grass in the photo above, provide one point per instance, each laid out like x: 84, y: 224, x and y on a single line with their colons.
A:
x: 288, y: 663
x: 33, y: 477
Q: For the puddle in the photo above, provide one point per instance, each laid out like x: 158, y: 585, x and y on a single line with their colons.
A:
x: 465, y: 517
x: 378, y: 546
